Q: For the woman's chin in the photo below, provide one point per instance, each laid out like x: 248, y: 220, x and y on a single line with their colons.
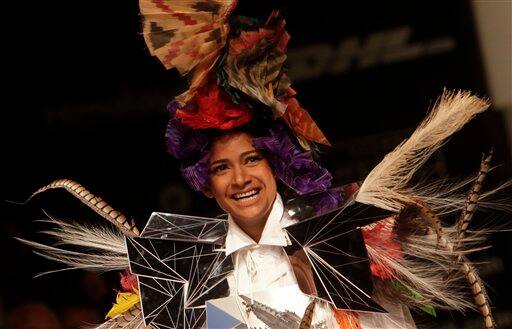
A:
x: 250, y: 216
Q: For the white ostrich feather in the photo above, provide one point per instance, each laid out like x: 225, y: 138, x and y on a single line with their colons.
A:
x: 386, y: 185
x: 100, y: 247
x: 445, y: 197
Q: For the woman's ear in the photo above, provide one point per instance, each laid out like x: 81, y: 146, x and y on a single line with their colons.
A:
x: 208, y: 193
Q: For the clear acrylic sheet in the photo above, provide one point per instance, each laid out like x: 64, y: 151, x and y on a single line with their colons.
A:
x: 182, y: 267
x: 185, y: 228
x: 328, y: 253
x: 176, y: 278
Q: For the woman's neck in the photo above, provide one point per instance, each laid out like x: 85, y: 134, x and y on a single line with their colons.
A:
x: 254, y: 231
x: 254, y: 228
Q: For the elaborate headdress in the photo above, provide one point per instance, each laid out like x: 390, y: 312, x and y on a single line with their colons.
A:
x: 237, y: 79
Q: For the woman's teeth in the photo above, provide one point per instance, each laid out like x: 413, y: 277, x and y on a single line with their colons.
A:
x: 246, y: 195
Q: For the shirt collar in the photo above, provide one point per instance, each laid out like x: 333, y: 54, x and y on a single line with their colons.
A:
x: 272, y: 234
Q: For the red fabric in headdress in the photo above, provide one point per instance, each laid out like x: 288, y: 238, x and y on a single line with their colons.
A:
x: 212, y: 107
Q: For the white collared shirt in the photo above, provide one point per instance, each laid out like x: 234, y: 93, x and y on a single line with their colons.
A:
x: 263, y: 271
x: 260, y: 265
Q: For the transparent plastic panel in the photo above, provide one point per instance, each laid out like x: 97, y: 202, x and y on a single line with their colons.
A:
x: 176, y: 277
x: 184, y: 228
x: 328, y: 253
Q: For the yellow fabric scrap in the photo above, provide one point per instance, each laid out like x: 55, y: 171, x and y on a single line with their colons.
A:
x: 124, y: 301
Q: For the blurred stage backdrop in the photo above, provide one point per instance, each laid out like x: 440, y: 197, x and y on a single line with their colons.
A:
x: 84, y: 100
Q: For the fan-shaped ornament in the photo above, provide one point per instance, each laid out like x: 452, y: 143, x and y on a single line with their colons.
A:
x: 186, y: 35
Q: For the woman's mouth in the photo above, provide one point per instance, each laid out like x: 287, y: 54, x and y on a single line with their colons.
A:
x: 246, y: 196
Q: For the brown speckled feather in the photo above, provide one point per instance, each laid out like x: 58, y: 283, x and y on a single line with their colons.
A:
x: 307, y: 319
x: 127, y: 226
x: 477, y: 287
x: 473, y: 196
x: 131, y: 319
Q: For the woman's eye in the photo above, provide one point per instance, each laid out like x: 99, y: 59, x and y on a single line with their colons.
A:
x: 253, y: 158
x: 218, y: 169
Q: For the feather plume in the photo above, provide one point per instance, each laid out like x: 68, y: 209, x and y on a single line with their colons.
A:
x: 423, y: 266
x: 101, y: 248
x: 385, y: 186
x: 473, y: 196
x: 255, y: 61
x: 254, y: 65
x: 102, y: 208
x: 131, y: 319
x: 445, y: 197
x: 428, y: 263
x: 307, y: 318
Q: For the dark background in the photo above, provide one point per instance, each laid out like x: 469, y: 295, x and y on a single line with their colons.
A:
x: 84, y: 100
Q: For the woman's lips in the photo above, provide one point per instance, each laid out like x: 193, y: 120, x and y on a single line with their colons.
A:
x: 247, y: 198
x: 248, y: 194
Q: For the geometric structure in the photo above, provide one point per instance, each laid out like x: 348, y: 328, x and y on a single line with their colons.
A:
x: 334, y: 247
x: 185, y: 228
x: 181, y: 265
x: 176, y: 278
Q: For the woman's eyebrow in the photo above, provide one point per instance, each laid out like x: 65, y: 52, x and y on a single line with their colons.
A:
x: 218, y: 161
x: 248, y: 152
x: 242, y: 155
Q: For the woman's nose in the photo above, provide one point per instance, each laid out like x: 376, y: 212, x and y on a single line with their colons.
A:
x: 241, y: 177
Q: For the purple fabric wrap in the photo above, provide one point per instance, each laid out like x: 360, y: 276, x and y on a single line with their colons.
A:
x: 293, y: 166
x: 182, y: 141
x: 197, y: 175
x: 329, y: 200
x: 186, y: 144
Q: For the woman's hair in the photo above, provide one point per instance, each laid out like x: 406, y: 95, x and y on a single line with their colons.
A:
x: 293, y: 166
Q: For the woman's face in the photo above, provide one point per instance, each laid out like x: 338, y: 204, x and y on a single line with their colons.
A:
x: 241, y: 180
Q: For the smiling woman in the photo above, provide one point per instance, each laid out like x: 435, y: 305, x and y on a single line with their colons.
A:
x: 240, y: 166
x: 242, y: 182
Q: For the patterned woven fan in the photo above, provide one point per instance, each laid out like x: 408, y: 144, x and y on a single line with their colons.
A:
x: 187, y: 35
x: 254, y: 65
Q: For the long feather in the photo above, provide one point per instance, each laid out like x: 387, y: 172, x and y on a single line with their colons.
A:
x: 445, y: 197
x: 423, y: 266
x: 385, y: 186
x: 101, y: 248
x: 477, y: 286
x: 473, y: 196
x: 430, y: 264
x: 478, y: 290
x: 127, y: 226
x: 131, y: 319
x: 95, y: 203
x: 307, y: 318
